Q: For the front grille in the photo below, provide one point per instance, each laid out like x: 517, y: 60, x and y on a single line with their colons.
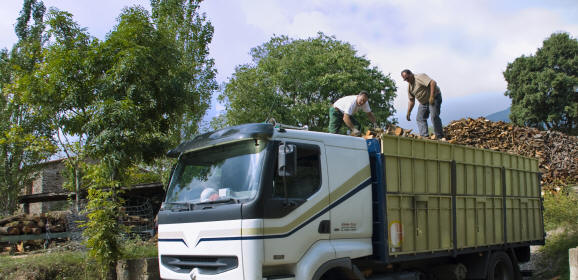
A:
x: 205, y: 264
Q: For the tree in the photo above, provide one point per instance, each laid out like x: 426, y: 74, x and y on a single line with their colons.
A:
x: 25, y: 138
x: 296, y: 81
x: 181, y: 21
x: 143, y: 95
x: 68, y: 85
x: 544, y: 87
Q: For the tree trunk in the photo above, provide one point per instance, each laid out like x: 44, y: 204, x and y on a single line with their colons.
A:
x: 76, y: 187
x: 111, y: 273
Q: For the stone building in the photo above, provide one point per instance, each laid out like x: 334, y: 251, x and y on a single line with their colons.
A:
x: 47, y: 184
x: 46, y: 192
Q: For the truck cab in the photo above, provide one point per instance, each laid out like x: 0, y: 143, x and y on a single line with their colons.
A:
x: 257, y: 201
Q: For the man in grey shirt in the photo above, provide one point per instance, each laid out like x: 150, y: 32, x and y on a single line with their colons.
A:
x: 425, y: 90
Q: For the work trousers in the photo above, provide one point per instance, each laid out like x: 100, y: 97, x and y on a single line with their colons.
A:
x: 424, y: 111
x: 336, y: 120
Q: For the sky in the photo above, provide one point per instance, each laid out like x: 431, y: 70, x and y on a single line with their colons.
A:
x: 463, y: 45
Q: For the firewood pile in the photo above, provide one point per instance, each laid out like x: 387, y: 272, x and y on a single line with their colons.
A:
x: 132, y: 220
x: 34, y: 224
x: 557, y: 152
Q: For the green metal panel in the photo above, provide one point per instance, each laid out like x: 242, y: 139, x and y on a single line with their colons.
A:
x: 432, y: 174
x: 479, y: 221
x: 420, y: 177
x: 445, y: 174
x: 470, y: 179
x: 496, y: 159
x: 460, y: 179
x: 479, y: 187
x: 514, y: 225
x: 497, y: 180
x: 425, y: 222
x: 407, y: 175
x: 419, y: 202
x: 392, y: 174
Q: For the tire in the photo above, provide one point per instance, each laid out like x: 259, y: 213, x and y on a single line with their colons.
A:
x: 336, y: 274
x: 500, y: 267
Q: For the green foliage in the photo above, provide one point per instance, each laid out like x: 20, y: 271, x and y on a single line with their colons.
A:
x: 561, y: 223
x: 137, y: 248
x: 58, y: 264
x: 48, y: 266
x: 122, y: 102
x: 142, y: 96
x: 555, y: 254
x: 146, y: 92
x: 543, y: 87
x: 561, y: 210
x: 102, y: 230
x: 25, y: 136
x: 181, y: 21
x: 296, y: 81
x: 139, y: 175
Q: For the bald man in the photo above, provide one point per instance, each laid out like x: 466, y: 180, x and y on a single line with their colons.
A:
x: 428, y: 94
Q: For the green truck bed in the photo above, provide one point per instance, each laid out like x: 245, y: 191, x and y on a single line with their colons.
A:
x: 442, y: 197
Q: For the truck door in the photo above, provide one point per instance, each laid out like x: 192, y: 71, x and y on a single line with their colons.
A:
x: 351, y: 198
x: 296, y: 211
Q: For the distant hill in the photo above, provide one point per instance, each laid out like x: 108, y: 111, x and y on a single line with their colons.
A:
x: 500, y: 116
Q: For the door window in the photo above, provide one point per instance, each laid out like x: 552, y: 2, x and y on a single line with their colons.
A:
x: 307, y: 179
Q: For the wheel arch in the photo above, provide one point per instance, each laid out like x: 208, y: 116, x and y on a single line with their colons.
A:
x: 342, y: 265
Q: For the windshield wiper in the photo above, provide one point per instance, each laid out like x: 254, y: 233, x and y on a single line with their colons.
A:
x: 227, y: 200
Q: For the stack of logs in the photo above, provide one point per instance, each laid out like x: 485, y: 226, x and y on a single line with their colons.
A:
x: 34, y: 224
x: 132, y: 220
x: 557, y: 152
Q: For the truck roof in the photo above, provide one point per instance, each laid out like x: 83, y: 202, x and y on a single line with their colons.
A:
x: 264, y: 131
x: 329, y: 139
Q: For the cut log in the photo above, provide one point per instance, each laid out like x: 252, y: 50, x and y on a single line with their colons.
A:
x: 56, y: 228
x: 9, y: 230
x: 14, y: 224
x: 29, y: 223
x: 11, y: 219
x: 27, y: 229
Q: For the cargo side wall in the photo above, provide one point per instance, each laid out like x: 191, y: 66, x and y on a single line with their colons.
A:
x: 448, y: 198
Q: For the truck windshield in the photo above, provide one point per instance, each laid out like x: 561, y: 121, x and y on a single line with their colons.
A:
x: 223, y: 174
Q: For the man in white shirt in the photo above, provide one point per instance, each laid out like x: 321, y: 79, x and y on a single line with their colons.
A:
x: 343, y: 110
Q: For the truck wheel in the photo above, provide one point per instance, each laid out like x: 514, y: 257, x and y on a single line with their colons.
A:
x: 336, y: 274
x: 500, y: 267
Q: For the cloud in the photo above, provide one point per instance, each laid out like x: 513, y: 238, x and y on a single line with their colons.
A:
x: 464, y: 45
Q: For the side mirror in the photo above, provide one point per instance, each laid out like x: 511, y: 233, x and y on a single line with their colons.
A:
x: 287, y: 160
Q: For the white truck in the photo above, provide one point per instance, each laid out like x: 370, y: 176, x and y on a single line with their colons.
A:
x: 264, y: 201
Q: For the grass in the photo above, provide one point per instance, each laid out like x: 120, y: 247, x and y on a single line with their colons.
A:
x: 58, y: 265
x: 555, y: 254
x: 136, y: 248
x: 561, y: 221
x: 66, y: 265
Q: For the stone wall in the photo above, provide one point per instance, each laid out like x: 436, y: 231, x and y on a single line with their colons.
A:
x: 48, y: 180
